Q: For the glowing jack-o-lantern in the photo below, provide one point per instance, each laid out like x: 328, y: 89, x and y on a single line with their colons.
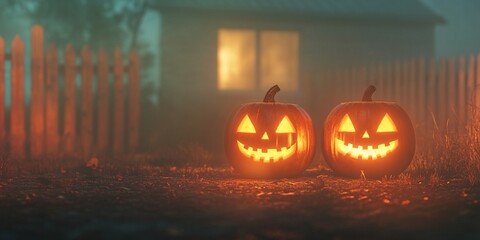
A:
x: 370, y: 136
x: 270, y: 139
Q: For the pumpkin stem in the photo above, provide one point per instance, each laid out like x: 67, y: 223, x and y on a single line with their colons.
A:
x: 270, y: 96
x: 367, y: 95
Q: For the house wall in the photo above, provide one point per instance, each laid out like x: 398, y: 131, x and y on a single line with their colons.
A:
x: 195, y: 112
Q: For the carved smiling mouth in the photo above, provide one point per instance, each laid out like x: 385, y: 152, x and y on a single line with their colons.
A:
x: 369, y: 153
x: 270, y: 155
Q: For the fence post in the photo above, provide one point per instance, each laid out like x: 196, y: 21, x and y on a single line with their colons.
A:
x: 3, y: 134
x: 51, y: 102
x: 477, y: 81
x: 397, y: 80
x: 461, y: 94
x: 350, y: 84
x: 441, y: 99
x: 17, y: 114
x: 87, y: 102
x: 432, y: 96
x: 404, y: 83
x: 69, y: 124
x: 470, y: 87
x: 451, y: 87
x: 134, y: 101
x: 421, y: 99
x: 412, y: 90
x: 103, y: 108
x: 118, y: 104
x: 380, y: 76
x: 37, y: 117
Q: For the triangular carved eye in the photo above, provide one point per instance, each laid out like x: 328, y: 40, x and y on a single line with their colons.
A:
x: 346, y: 124
x: 246, y: 125
x: 387, y: 125
x: 285, y: 126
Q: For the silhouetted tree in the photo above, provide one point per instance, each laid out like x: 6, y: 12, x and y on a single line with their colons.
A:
x: 105, y: 23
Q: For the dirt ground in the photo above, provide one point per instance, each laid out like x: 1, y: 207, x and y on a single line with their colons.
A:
x: 217, y: 204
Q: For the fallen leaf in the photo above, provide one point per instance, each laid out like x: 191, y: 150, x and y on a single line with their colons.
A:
x: 425, y: 198
x: 348, y: 197
x: 362, y: 198
x: 287, y: 194
x: 387, y: 201
x: 260, y: 194
x: 405, y: 202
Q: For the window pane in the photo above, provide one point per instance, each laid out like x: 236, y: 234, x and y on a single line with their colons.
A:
x: 279, y: 59
x: 236, y: 59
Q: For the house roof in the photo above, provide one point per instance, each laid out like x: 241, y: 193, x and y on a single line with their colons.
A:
x: 412, y: 10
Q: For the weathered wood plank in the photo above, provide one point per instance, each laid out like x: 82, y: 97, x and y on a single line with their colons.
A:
x: 17, y: 112
x: 397, y: 76
x: 103, y: 108
x: 380, y: 75
x: 451, y: 91
x: 134, y: 101
x: 51, y: 102
x: 3, y: 132
x: 411, y: 89
x: 118, y: 104
x: 390, y: 82
x: 421, y: 97
x: 69, y: 120
x: 476, y: 87
x: 87, y: 102
x: 432, y: 95
x: 442, y: 94
x: 37, y: 111
x: 470, y: 88
x: 461, y: 100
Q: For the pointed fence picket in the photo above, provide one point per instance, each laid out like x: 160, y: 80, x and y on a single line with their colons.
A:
x: 58, y: 124
x: 17, y: 108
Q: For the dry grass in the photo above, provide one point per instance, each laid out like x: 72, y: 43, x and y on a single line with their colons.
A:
x: 450, y: 154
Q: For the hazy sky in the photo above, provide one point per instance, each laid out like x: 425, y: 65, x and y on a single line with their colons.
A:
x: 461, y: 33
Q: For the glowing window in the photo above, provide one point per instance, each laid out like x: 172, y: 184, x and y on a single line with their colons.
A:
x: 241, y: 51
x: 279, y: 59
x: 236, y: 59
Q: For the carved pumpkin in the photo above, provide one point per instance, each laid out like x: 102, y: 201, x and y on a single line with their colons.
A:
x: 270, y: 139
x: 370, y: 136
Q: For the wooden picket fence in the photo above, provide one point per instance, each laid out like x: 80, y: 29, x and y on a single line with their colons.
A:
x: 51, y: 129
x: 439, y: 95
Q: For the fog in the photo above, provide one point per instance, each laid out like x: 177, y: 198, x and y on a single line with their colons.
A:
x: 460, y: 34
x: 136, y: 24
